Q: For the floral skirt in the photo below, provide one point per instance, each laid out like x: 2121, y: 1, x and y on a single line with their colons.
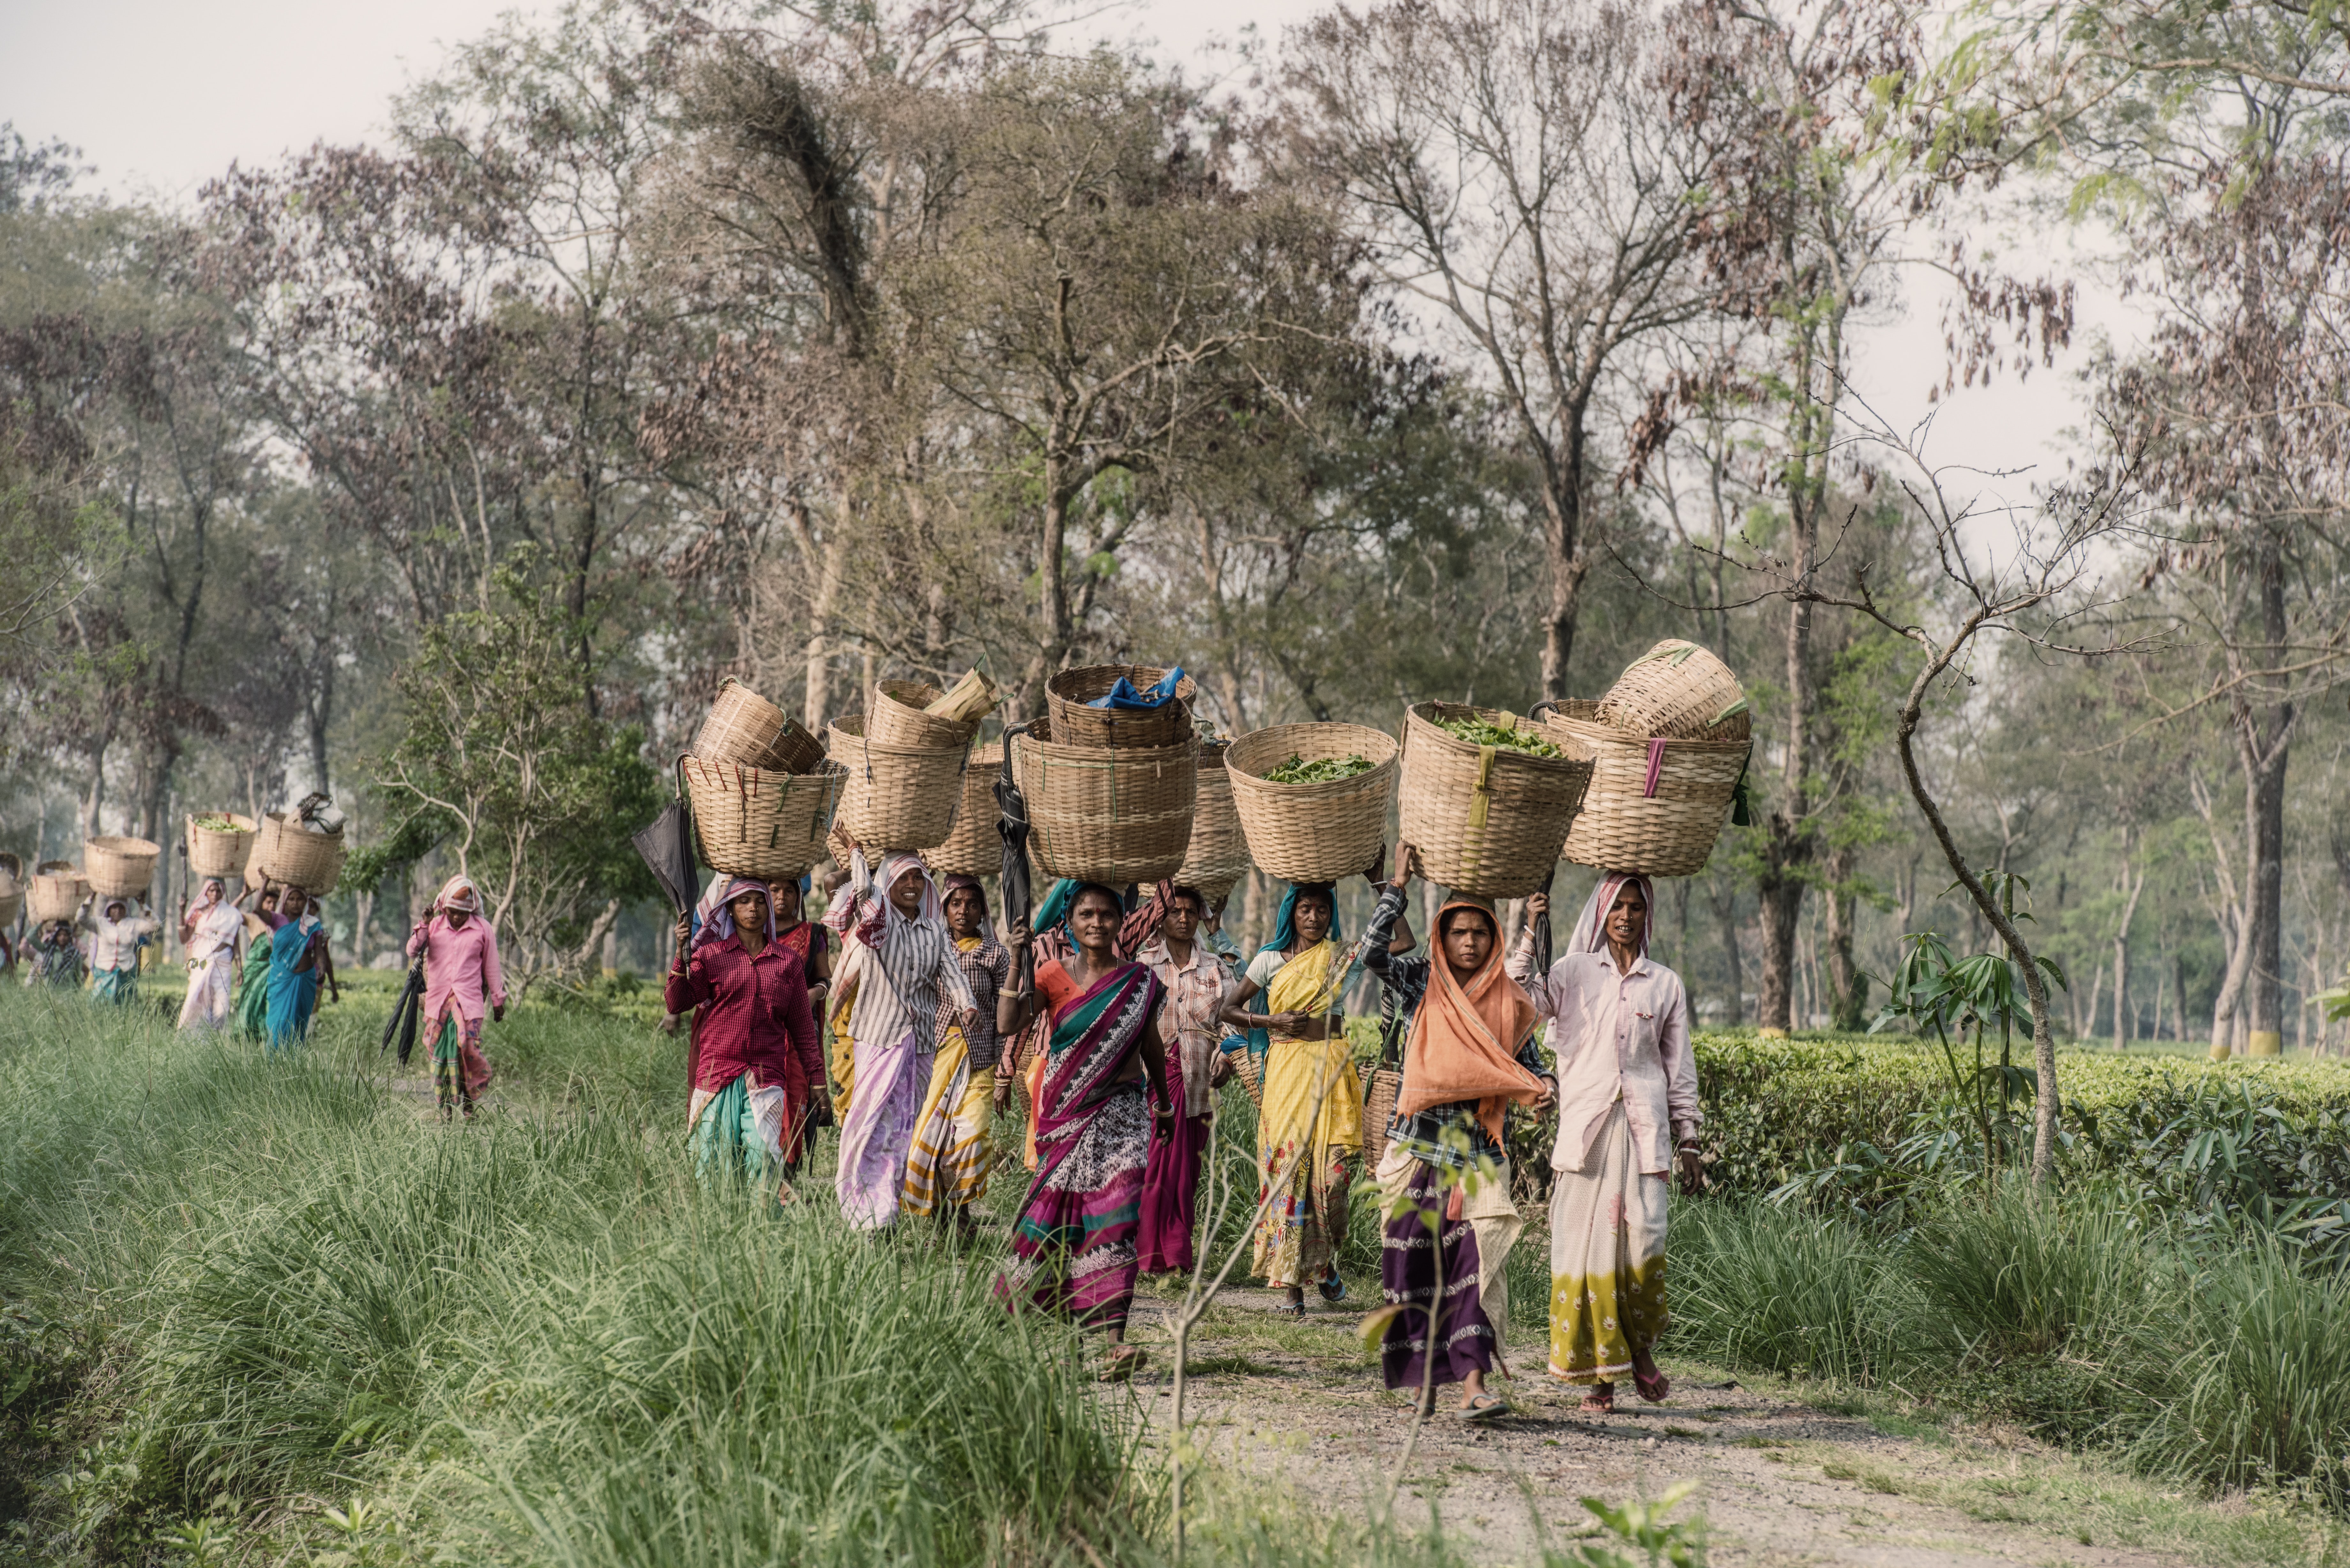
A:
x: 1073, y: 1250
x: 460, y: 1071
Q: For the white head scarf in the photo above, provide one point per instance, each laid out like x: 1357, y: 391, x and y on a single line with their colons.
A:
x: 459, y: 893
x: 1591, y: 926
x: 876, y: 928
x: 213, y: 890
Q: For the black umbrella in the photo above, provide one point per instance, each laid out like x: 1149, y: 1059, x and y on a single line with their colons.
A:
x: 406, y: 1014
x: 1012, y: 823
x: 667, y: 846
x: 1542, y: 927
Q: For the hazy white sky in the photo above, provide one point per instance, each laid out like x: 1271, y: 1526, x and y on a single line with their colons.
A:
x: 161, y: 95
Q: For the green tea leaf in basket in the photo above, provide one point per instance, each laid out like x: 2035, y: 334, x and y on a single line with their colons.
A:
x: 1329, y: 770
x: 1478, y: 733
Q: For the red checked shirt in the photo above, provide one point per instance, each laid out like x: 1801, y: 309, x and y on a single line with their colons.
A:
x: 758, y: 1018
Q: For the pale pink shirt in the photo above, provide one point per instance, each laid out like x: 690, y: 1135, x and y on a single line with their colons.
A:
x: 1617, y: 1035
x: 459, y: 965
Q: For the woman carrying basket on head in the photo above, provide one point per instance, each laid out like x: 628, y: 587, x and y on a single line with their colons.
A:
x: 460, y: 947
x: 1075, y: 1246
x: 1196, y: 978
x: 252, y: 1005
x: 1469, y: 1051
x: 1628, y: 1113
x: 947, y: 1170
x: 297, y: 957
x: 210, y: 932
x: 1310, y: 1122
x: 899, y: 971
x: 758, y: 1069
x: 115, y: 934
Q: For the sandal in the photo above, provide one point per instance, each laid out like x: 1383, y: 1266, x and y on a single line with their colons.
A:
x: 1601, y: 1400
x: 1289, y: 1309
x: 1120, y: 1364
x: 1333, y: 1289
x: 1486, y: 1408
x: 1653, y: 1389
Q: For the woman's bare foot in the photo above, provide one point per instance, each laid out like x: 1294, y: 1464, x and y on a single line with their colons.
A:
x: 1122, y: 1362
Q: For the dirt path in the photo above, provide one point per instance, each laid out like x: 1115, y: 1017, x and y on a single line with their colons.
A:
x: 1779, y: 1482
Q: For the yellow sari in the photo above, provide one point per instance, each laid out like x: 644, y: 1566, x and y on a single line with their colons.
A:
x: 1297, y: 1239
x: 951, y: 1154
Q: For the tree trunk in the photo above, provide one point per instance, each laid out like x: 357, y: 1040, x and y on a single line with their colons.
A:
x: 1722, y: 894
x: 1781, y: 899
x: 1848, y: 999
x: 816, y: 700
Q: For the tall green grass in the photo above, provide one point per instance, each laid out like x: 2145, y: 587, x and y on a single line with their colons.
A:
x: 2226, y: 1363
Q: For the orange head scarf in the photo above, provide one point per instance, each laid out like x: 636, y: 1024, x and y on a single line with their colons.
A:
x: 1465, y: 1037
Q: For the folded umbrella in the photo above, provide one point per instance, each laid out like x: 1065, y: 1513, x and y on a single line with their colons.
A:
x: 407, y: 1013
x: 1012, y: 825
x: 667, y: 846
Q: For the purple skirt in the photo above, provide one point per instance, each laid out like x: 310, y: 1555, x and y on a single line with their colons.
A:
x: 1408, y: 1270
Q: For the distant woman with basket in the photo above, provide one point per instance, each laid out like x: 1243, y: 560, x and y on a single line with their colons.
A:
x: 116, y: 935
x: 1468, y: 1053
x: 1073, y: 1249
x: 252, y: 1006
x: 1310, y: 1119
x: 1628, y: 1113
x: 298, y: 958
x: 1196, y: 978
x: 56, y: 955
x: 757, y: 1068
x: 460, y: 949
x: 899, y: 969
x: 210, y: 931
x: 947, y: 1170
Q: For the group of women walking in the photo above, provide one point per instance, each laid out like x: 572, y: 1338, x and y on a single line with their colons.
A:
x: 1116, y: 1018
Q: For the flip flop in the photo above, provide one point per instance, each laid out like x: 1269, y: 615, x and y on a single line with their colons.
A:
x: 1333, y: 1289
x: 1123, y: 1363
x: 1289, y: 1309
x: 1653, y: 1389
x: 1486, y: 1408
x: 1599, y: 1402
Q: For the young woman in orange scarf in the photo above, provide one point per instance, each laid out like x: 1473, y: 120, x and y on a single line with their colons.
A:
x: 1469, y: 1055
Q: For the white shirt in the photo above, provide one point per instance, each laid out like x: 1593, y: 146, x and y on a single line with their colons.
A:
x: 114, y: 944
x: 1618, y: 1036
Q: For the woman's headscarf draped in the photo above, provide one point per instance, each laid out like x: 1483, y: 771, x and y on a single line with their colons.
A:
x: 1465, y: 1037
x: 1591, y: 926
x: 719, y: 924
x: 214, y: 885
x: 1285, y: 923
x: 459, y: 893
x: 883, y: 919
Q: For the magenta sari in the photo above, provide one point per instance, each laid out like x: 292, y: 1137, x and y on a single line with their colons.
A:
x: 1073, y: 1250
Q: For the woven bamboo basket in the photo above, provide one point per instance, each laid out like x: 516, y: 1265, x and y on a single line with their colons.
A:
x: 1218, y: 854
x: 291, y: 857
x: 119, y: 868
x: 1312, y: 832
x: 1381, y: 1084
x: 1660, y: 822
x: 1250, y: 1071
x: 1105, y: 814
x: 744, y: 727
x: 897, y: 797
x: 754, y: 822
x: 1677, y: 689
x: 1485, y: 819
x: 1075, y: 725
x: 221, y: 852
x: 974, y: 848
x: 11, y: 902
x: 895, y: 716
x: 57, y: 890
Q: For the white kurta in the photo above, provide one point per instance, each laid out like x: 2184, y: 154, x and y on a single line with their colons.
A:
x: 212, y: 945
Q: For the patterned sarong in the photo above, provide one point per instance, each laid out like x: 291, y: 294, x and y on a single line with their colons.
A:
x: 1606, y: 1260
x: 951, y: 1157
x: 1425, y: 1231
x: 1074, y: 1248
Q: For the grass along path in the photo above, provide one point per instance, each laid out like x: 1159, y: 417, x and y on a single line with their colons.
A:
x: 1786, y: 1473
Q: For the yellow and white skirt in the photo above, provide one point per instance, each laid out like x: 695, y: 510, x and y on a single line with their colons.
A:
x: 1606, y: 1260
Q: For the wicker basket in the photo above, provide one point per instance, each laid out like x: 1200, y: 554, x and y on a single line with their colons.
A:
x: 1677, y: 689
x: 974, y: 848
x: 1659, y: 821
x: 1381, y: 1084
x: 57, y: 891
x: 119, y: 868
x: 1075, y: 725
x: 1250, y: 1069
x: 744, y: 727
x: 221, y: 852
x: 11, y: 902
x: 1107, y: 815
x: 897, y: 797
x: 1218, y: 854
x: 1485, y: 819
x: 895, y: 716
x: 752, y: 822
x: 291, y: 857
x: 1312, y: 832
